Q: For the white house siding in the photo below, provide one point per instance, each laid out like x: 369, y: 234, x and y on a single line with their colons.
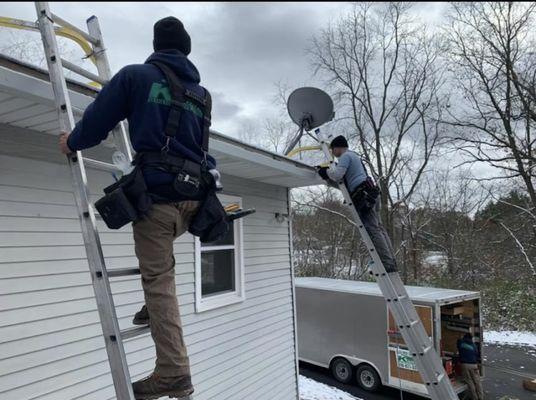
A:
x: 50, y: 337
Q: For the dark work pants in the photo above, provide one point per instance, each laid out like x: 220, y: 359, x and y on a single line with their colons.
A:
x: 153, y: 236
x: 378, y: 235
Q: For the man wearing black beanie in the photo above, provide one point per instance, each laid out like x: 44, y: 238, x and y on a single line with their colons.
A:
x: 169, y: 33
x: 141, y: 93
x: 351, y: 170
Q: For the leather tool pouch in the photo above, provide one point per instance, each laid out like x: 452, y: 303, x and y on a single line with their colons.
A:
x: 211, y: 222
x: 365, y: 195
x: 125, y: 201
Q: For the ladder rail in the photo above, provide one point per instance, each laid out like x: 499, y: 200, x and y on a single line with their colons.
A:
x: 119, y: 133
x: 94, y: 40
x: 101, y: 284
x: 82, y: 72
x: 408, y: 322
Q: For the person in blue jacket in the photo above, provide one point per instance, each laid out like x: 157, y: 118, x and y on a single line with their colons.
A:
x: 351, y: 170
x: 469, y: 360
x: 140, y: 93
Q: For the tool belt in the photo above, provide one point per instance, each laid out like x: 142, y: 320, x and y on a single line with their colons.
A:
x: 365, y: 195
x: 125, y: 201
x: 191, y: 181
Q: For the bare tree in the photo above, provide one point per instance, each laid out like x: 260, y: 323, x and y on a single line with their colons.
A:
x: 382, y: 69
x: 492, y: 60
x: 446, y: 206
x: 325, y: 236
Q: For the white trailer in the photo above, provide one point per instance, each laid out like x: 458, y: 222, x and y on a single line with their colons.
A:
x: 345, y: 326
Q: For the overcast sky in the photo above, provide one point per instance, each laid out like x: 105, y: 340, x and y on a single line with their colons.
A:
x: 241, y: 49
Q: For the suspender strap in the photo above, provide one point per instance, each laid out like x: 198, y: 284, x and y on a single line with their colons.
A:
x: 206, y: 120
x: 178, y: 97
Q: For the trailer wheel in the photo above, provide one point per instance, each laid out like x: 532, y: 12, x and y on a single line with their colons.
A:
x: 342, y: 370
x: 368, y: 378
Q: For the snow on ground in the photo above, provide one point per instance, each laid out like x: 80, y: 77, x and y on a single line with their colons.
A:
x: 313, y: 390
x: 511, y: 337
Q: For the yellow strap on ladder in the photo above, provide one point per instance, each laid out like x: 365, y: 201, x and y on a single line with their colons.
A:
x: 300, y: 149
x: 60, y: 31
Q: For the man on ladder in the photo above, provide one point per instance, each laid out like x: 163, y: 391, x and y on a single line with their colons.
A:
x: 310, y: 108
x: 167, y: 134
x: 351, y: 170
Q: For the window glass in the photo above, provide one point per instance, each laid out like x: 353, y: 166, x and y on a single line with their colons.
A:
x: 217, y: 272
x: 219, y: 269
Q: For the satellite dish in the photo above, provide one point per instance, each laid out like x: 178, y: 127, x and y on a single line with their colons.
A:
x: 310, y: 107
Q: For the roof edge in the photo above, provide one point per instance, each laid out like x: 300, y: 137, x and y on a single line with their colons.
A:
x: 81, y: 88
x: 40, y: 73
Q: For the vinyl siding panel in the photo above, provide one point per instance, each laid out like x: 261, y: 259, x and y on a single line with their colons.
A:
x: 50, y: 337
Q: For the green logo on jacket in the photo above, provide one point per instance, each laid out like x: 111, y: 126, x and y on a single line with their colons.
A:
x: 160, y: 94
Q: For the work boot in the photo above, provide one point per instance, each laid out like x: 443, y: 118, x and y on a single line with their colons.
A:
x: 154, y: 387
x: 141, y: 317
x: 390, y: 268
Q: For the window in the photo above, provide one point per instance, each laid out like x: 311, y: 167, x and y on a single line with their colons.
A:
x: 219, y: 269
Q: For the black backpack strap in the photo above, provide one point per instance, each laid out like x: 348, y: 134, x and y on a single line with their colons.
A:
x: 207, y: 115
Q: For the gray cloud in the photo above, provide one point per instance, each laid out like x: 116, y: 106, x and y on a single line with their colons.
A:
x: 241, y: 49
x: 224, y: 109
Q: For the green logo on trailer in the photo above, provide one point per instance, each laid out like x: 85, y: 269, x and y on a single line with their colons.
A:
x: 405, y: 360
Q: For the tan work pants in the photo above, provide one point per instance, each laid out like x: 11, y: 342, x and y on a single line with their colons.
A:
x: 471, y: 376
x: 153, y: 237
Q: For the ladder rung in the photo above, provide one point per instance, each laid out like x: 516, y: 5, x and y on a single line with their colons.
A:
x: 130, y: 333
x: 425, y: 350
x: 103, y: 166
x: 112, y: 273
x: 439, y: 377
x: 81, y: 71
x: 60, y: 21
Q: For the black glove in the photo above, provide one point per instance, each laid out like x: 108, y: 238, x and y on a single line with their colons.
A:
x: 322, y: 171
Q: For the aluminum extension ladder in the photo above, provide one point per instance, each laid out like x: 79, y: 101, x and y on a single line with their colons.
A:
x: 113, y: 336
x: 407, y: 320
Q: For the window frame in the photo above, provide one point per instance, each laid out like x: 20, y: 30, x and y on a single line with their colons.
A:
x: 214, y: 301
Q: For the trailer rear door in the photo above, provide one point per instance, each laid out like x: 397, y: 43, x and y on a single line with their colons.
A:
x: 401, y: 363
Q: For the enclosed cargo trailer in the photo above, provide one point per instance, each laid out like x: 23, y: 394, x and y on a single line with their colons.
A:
x: 345, y: 326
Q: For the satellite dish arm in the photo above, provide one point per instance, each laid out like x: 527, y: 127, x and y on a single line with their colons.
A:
x: 305, y: 124
x: 294, y: 142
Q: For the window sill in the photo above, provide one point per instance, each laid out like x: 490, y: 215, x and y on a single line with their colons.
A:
x: 218, y: 301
